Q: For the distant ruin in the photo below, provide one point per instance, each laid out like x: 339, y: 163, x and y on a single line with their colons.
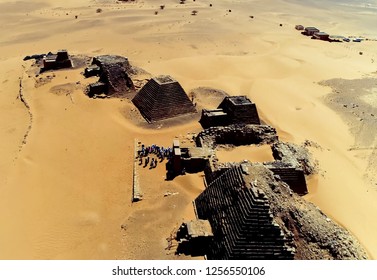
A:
x: 56, y: 61
x: 232, y: 110
x: 162, y: 98
x: 113, y: 72
x: 315, y: 33
x: 321, y: 36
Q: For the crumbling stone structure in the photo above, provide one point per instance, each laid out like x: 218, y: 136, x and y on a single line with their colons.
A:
x: 237, y: 135
x: 296, y: 155
x: 254, y: 215
x: 316, y: 236
x: 97, y: 88
x: 291, y: 164
x: 92, y: 70
x: 241, y: 220
x: 113, y: 72
x: 57, y: 61
x: 232, y: 135
x: 310, y: 31
x: 193, y: 159
x: 194, y: 237
x: 162, y: 98
x: 232, y: 110
x: 290, y: 174
x: 253, y: 209
x: 104, y: 61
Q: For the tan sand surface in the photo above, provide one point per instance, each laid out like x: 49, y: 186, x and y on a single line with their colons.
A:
x: 65, y: 193
x: 252, y: 153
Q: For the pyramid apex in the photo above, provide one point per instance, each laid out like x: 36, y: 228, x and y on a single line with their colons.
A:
x: 164, y: 79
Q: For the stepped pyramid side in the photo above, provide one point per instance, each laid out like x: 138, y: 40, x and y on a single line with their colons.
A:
x: 241, y: 220
x: 162, y: 98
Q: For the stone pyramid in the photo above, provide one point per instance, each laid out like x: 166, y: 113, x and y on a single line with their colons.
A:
x: 162, y: 98
x: 241, y: 220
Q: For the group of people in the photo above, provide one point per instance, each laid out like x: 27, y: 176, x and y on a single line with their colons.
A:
x: 146, y: 153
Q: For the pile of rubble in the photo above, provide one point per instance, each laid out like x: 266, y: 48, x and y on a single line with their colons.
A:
x: 237, y: 135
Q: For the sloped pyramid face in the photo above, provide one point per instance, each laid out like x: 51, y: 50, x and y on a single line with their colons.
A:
x: 162, y: 98
x: 241, y: 220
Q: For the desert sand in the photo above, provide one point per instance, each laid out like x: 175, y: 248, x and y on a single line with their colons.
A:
x: 66, y: 160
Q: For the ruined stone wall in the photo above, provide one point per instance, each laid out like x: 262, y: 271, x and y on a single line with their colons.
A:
x: 237, y: 135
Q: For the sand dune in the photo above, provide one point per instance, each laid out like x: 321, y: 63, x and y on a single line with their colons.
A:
x: 66, y: 191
